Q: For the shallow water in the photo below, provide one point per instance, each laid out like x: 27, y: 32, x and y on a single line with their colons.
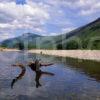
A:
x: 73, y: 80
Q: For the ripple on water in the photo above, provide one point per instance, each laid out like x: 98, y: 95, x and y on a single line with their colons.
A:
x: 68, y: 83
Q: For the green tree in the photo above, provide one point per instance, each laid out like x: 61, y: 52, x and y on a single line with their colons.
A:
x: 59, y: 46
x: 72, y: 45
x: 20, y: 45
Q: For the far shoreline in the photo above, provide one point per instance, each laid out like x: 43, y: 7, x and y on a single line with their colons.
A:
x: 93, y: 55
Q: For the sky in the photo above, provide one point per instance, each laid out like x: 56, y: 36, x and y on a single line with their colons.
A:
x: 45, y: 17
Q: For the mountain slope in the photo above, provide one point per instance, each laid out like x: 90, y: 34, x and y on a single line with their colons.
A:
x: 86, y: 37
x: 25, y: 38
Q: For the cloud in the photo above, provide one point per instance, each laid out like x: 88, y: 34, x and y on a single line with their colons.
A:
x: 87, y: 7
x: 83, y: 7
x: 7, y: 1
x: 6, y: 36
x: 21, y: 16
x: 66, y: 30
x: 46, y: 17
x: 90, y: 7
x: 21, y: 12
x: 28, y: 16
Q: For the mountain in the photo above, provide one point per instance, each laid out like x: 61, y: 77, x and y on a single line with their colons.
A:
x: 85, y: 37
x: 25, y: 38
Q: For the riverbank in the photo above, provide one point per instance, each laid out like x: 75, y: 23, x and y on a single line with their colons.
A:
x: 79, y: 54
x: 6, y: 49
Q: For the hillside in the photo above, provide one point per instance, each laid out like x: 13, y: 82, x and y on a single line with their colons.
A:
x: 86, y: 37
x: 24, y: 39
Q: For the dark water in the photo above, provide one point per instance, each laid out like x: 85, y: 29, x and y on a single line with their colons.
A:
x: 73, y: 80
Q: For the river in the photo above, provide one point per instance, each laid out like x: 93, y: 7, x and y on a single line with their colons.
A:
x: 72, y: 80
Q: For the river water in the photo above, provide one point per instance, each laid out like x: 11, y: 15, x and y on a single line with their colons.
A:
x: 72, y: 80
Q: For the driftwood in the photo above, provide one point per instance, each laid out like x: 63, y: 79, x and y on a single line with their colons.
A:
x: 35, y: 66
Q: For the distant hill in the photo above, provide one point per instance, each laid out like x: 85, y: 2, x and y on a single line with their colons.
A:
x: 86, y: 37
x: 25, y: 39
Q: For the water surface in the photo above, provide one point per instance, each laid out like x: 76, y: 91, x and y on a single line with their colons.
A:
x: 73, y: 80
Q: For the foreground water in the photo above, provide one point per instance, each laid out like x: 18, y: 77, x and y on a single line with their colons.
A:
x: 73, y: 80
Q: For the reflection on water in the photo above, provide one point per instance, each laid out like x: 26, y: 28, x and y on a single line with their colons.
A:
x: 73, y: 80
x: 91, y: 68
x: 39, y: 73
x: 23, y: 70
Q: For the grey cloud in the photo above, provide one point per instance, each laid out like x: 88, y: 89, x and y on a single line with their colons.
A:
x: 36, y: 14
x: 7, y: 0
x: 5, y: 18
